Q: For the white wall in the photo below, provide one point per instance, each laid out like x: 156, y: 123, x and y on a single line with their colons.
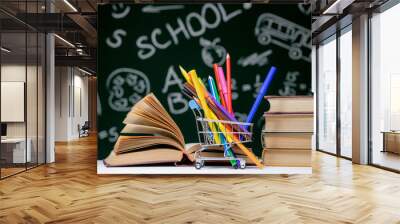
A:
x: 70, y: 83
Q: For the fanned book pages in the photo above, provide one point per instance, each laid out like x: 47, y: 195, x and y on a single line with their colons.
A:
x: 151, y: 136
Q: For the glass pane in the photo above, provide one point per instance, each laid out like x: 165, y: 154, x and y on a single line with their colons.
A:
x: 14, y: 154
x: 327, y: 96
x: 385, y: 86
x: 41, y: 99
x: 346, y: 94
x: 32, y: 98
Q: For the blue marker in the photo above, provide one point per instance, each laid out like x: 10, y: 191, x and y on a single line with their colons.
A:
x: 261, y: 94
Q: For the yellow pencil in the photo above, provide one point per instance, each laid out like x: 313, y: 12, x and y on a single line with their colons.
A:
x: 186, y: 75
x: 203, y: 103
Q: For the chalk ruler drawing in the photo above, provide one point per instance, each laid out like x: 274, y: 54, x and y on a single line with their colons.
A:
x: 212, y: 52
x: 160, y: 8
x: 116, y: 40
x: 126, y: 86
x: 272, y: 29
x: 120, y: 11
x: 255, y: 59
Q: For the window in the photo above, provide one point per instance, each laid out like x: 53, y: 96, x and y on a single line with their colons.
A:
x: 346, y: 93
x: 327, y: 96
x: 385, y: 89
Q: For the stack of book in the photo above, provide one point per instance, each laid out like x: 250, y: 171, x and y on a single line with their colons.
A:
x: 288, y: 131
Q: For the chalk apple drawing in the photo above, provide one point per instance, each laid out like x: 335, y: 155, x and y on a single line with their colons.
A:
x: 212, y: 52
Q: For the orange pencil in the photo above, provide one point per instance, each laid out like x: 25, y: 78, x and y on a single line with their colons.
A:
x: 229, y: 83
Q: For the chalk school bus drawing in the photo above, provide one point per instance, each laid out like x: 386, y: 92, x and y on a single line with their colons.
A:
x: 272, y: 29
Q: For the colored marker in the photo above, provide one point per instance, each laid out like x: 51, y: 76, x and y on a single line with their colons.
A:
x: 261, y: 94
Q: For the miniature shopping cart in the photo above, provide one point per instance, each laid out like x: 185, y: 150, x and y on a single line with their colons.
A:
x: 207, y: 129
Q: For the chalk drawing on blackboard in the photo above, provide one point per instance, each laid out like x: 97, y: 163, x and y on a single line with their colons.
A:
x: 177, y: 103
x: 116, y: 40
x: 212, y: 52
x: 255, y: 59
x: 305, y: 8
x: 111, y: 134
x: 303, y: 86
x: 241, y: 116
x: 120, y: 10
x: 290, y: 84
x: 246, y: 87
x: 126, y: 86
x: 235, y: 94
x: 273, y: 29
x: 247, y: 5
x: 160, y: 8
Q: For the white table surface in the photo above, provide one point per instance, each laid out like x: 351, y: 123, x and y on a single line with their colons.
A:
x: 165, y: 170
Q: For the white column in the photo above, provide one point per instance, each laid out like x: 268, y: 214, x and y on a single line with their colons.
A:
x: 360, y: 90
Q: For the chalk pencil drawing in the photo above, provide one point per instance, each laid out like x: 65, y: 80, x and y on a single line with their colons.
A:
x: 116, y: 40
x: 120, y: 10
x: 255, y: 59
x: 212, y: 52
x: 160, y: 8
x: 126, y: 86
x: 272, y: 29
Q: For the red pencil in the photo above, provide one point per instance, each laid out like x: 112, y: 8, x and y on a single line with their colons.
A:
x: 215, y: 66
x: 229, y: 83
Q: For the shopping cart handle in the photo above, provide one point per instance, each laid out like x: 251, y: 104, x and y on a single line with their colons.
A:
x: 193, y: 105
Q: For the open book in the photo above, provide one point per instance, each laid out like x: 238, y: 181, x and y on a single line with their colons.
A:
x: 151, y: 136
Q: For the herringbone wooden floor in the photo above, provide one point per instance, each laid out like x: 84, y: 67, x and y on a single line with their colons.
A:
x: 69, y: 191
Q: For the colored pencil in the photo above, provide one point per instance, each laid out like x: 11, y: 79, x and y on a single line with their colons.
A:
x: 229, y: 82
x: 213, y: 88
x: 204, y: 106
x: 216, y: 72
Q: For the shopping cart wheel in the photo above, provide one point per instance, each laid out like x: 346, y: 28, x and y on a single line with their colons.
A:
x: 242, y: 165
x: 198, y: 164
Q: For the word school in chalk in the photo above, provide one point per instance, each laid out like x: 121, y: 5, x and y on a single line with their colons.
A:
x: 193, y: 25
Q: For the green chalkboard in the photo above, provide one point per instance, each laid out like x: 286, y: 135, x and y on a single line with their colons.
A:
x: 141, y: 46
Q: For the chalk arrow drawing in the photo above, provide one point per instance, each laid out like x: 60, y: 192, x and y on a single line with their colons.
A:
x: 158, y: 9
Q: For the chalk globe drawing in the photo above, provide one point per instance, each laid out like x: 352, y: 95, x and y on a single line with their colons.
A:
x: 126, y: 86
